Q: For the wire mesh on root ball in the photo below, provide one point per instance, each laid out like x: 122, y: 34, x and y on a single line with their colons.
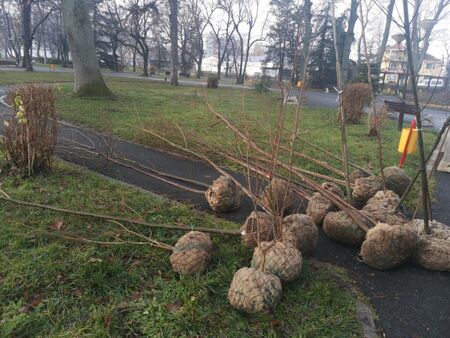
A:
x: 396, y: 179
x: 277, y: 196
x: 224, y: 195
x: 382, y: 208
x: 365, y: 188
x: 192, y: 253
x: 319, y: 206
x: 387, y: 246
x: 433, y: 253
x: 253, y: 291
x: 259, y: 225
x: 284, y: 261
x: 301, y: 232
x: 340, y: 227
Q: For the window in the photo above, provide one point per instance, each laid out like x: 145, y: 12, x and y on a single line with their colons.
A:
x: 392, y: 66
x: 429, y: 66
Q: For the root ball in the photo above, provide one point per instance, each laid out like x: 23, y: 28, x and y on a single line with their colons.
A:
x: 192, y: 253
x: 301, y: 232
x: 341, y: 228
x: 224, y: 195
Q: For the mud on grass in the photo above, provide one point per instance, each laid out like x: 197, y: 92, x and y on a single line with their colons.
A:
x: 52, y: 287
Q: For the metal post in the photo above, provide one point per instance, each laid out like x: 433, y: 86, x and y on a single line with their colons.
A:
x: 423, y: 168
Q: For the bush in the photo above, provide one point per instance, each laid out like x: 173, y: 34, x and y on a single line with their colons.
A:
x: 354, y: 98
x: 263, y: 84
x: 30, y: 132
x: 213, y: 81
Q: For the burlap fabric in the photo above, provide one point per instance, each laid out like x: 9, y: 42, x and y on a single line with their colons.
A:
x: 381, y: 208
x: 387, y: 246
x: 224, y: 195
x: 341, y: 228
x: 357, y: 174
x: 249, y: 230
x: 433, y: 253
x: 396, y: 180
x: 192, y: 253
x: 277, y: 196
x: 319, y: 206
x: 300, y: 231
x: 284, y: 261
x: 253, y: 291
x: 438, y: 230
x: 365, y: 188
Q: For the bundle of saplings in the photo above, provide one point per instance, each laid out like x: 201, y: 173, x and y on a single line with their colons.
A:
x: 396, y: 180
x: 300, y: 231
x: 224, y: 195
x: 284, y: 261
x: 254, y: 291
x: 258, y: 226
x: 382, y: 208
x: 192, y: 253
x: 433, y: 250
x: 277, y: 196
x: 387, y: 246
x: 319, y: 206
x: 340, y: 227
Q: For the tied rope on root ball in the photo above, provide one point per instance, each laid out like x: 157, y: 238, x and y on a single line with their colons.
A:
x: 340, y: 227
x: 192, y: 253
x: 253, y: 291
x: 224, y: 195
x: 365, y: 188
x: 284, y: 261
x: 277, y: 196
x: 396, y: 179
x: 388, y: 246
x: 433, y: 250
x: 381, y: 208
x: 301, y: 232
x: 319, y: 206
x: 258, y: 225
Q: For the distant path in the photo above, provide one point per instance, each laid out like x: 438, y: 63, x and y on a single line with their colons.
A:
x: 316, y: 99
x: 410, y: 301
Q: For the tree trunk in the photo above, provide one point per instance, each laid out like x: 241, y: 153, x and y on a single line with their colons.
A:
x: 88, y: 78
x: 387, y: 30
x: 173, y: 17
x: 25, y: 12
x: 306, y: 37
x: 134, y: 61
x: 346, y: 48
x: 145, y: 57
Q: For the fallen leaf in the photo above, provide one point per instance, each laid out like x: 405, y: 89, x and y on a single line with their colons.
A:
x: 276, y: 323
x: 57, y: 225
x: 174, y: 307
x: 94, y: 260
x: 79, y: 292
x: 122, y: 305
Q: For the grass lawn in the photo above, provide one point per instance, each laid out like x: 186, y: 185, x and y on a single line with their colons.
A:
x: 52, y: 287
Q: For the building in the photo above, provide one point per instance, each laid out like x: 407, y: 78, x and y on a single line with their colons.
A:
x: 395, y: 62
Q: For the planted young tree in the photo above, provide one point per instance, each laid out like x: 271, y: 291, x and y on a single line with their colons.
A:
x: 77, y: 24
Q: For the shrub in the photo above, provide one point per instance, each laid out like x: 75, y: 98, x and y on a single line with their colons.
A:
x: 354, y: 98
x: 213, y: 81
x: 30, y: 132
x: 263, y: 84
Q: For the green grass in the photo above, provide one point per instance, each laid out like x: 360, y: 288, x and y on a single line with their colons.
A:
x: 52, y: 287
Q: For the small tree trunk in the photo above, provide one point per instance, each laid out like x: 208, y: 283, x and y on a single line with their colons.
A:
x: 88, y: 78
x: 173, y: 41
x: 145, y: 56
x: 25, y: 11
x: 134, y: 61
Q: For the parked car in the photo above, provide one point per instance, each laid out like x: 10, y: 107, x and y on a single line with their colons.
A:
x: 431, y: 83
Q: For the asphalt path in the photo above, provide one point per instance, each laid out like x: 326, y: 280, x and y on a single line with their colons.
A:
x: 409, y: 301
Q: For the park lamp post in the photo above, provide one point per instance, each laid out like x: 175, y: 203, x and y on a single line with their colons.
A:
x: 426, y: 24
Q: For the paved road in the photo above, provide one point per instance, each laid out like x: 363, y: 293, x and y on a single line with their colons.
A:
x: 312, y: 98
x: 410, y: 301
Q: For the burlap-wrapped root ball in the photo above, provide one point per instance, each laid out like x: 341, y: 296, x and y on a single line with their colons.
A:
x: 319, y: 206
x: 249, y: 230
x: 192, y: 253
x: 387, y: 246
x: 381, y: 208
x: 365, y: 188
x: 357, y: 173
x: 224, y: 195
x: 433, y: 253
x: 277, y: 196
x: 253, y: 291
x: 396, y: 180
x: 300, y: 231
x: 284, y: 261
x: 340, y: 227
x: 438, y: 230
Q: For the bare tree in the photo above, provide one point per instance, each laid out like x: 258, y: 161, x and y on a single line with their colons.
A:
x: 77, y: 23
x: 387, y: 30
